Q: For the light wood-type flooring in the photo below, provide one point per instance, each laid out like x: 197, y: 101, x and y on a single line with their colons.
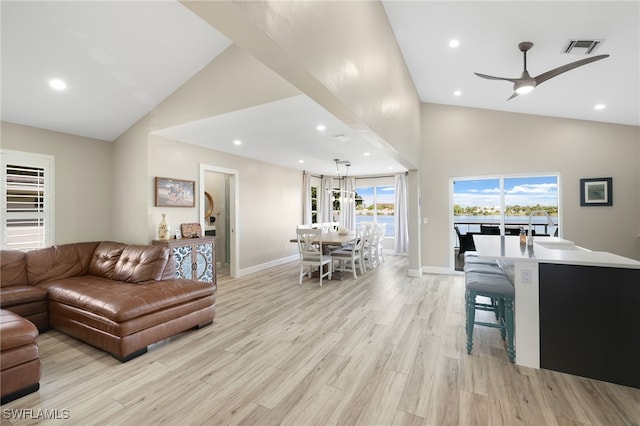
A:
x: 384, y: 349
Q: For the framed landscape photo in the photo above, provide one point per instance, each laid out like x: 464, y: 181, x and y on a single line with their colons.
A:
x: 175, y: 192
x: 596, y: 192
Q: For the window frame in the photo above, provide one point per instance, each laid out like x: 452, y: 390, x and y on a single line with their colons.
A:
x: 47, y: 216
x: 375, y: 183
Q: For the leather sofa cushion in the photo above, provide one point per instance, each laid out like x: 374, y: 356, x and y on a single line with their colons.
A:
x: 56, y: 262
x: 18, y: 295
x: 121, y: 301
x: 15, y: 330
x: 18, y: 356
x: 13, y: 270
x: 141, y: 263
x: 105, y: 258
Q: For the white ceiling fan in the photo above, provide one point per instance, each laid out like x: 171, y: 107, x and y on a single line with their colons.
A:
x: 525, y: 83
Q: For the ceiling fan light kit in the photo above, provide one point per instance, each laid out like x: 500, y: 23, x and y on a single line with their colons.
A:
x: 526, y: 83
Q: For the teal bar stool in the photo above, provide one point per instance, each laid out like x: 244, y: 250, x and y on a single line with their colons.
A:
x: 500, y: 291
x: 485, y: 268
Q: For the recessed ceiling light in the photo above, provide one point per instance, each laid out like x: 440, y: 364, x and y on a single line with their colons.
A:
x: 57, y: 84
x: 454, y: 43
x: 321, y: 127
x: 237, y: 142
x: 457, y: 93
x: 600, y: 107
x: 300, y: 161
x: 366, y: 154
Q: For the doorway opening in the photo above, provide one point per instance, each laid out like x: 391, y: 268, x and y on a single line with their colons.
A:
x: 221, y: 185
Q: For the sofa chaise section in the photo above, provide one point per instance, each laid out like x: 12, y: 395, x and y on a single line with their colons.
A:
x: 19, y: 357
x: 123, y: 318
x: 117, y: 297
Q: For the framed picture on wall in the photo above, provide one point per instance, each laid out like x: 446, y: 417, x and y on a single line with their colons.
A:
x: 596, y: 192
x: 175, y: 192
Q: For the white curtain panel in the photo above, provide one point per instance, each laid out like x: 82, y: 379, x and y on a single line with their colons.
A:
x: 400, y: 220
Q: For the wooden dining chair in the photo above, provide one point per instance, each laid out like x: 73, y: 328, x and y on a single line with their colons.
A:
x: 368, y: 235
x: 311, y: 256
x: 347, y: 258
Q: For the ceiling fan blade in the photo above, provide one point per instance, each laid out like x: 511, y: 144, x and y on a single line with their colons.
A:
x: 513, y: 96
x: 490, y: 77
x: 557, y: 71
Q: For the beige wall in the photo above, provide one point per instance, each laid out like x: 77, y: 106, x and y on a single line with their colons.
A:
x: 460, y: 142
x: 83, y: 179
x: 232, y: 81
x: 270, y: 203
x: 270, y: 198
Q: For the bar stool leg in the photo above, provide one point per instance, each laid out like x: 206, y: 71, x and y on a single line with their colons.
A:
x: 500, y: 313
x: 471, y: 313
x: 508, y: 313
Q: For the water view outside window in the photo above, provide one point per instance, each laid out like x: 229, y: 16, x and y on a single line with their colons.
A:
x: 377, y: 204
x: 478, y: 202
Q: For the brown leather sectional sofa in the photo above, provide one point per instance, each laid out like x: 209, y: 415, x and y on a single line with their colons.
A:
x: 117, y: 297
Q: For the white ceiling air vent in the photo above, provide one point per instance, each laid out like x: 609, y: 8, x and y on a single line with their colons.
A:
x: 581, y: 47
x: 342, y: 138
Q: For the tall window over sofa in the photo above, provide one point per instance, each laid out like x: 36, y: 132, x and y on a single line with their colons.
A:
x: 27, y: 206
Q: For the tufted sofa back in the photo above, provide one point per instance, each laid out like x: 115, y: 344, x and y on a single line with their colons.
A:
x: 62, y: 261
x: 141, y: 263
x: 107, y: 259
x: 13, y: 271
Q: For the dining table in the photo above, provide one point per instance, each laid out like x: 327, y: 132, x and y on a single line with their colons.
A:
x: 335, y: 239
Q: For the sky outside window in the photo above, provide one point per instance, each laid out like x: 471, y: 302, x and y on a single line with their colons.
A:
x: 523, y: 191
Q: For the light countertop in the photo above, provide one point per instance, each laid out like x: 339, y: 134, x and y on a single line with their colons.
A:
x: 547, y: 250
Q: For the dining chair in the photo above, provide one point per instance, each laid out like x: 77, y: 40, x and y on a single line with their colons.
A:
x: 368, y: 241
x: 350, y: 256
x: 311, y: 256
x: 382, y: 228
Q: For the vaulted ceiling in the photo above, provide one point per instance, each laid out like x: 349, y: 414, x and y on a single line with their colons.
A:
x: 119, y: 64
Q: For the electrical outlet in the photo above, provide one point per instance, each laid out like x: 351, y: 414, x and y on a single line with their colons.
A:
x: 526, y: 276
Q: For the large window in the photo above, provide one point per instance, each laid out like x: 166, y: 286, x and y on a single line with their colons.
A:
x: 503, y: 205
x: 376, y: 204
x: 27, y: 210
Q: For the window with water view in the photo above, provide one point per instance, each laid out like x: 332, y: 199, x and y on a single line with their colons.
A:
x: 504, y: 204
x: 376, y: 204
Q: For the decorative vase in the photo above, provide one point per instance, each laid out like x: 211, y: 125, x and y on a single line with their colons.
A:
x: 164, y: 230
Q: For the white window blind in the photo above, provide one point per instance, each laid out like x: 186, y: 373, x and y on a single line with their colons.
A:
x: 27, y: 213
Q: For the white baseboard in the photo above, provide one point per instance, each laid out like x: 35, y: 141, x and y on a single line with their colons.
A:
x: 267, y: 265
x: 416, y: 273
x: 436, y: 270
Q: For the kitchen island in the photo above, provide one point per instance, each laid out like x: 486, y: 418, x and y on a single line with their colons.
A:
x: 575, y: 309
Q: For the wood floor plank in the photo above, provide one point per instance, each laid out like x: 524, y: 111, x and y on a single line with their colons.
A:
x: 444, y: 404
x: 385, y: 349
x: 417, y: 392
x: 474, y: 409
